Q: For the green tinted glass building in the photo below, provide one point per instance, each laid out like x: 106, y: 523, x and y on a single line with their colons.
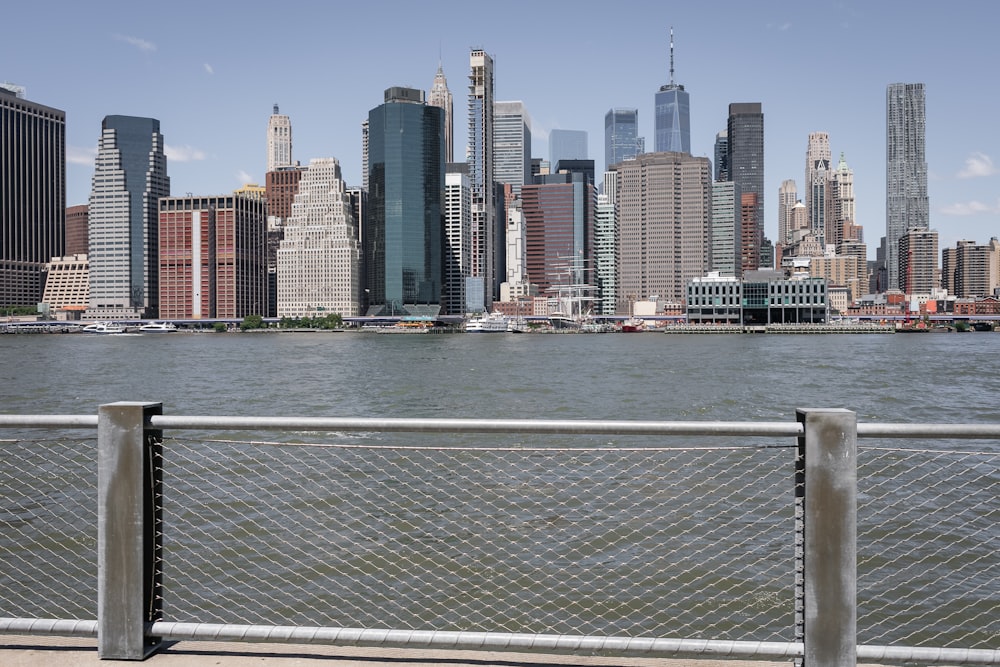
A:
x: 404, y: 232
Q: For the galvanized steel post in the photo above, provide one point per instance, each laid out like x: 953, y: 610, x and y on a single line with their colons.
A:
x: 827, y: 483
x: 128, y: 542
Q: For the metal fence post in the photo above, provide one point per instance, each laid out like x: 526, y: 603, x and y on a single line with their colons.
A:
x: 827, y: 488
x: 128, y: 527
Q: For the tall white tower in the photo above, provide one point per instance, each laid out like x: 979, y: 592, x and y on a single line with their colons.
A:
x: 479, y: 155
x: 279, y: 141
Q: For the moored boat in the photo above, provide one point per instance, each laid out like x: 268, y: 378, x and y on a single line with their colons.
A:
x: 487, y: 323
x: 158, y: 327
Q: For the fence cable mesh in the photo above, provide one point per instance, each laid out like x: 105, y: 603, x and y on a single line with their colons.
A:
x: 929, y: 547
x: 48, y: 528
x: 583, y: 540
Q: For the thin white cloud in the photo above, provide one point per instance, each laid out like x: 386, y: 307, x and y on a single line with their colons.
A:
x: 978, y: 165
x: 143, y: 45
x: 244, y: 177
x: 209, y: 68
x: 183, y: 153
x: 77, y: 155
x: 971, y: 208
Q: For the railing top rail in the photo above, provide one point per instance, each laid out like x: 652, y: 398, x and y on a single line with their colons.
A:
x: 48, y: 421
x: 504, y: 426
x: 930, y: 431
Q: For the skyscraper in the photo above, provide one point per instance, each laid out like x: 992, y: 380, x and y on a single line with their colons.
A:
x: 130, y: 176
x: 673, y: 114
x: 441, y: 98
x: 724, y: 234
x: 483, y: 275
x: 818, y: 167
x: 458, y: 237
x: 906, y: 202
x: 621, y: 136
x: 787, y: 196
x: 32, y: 195
x: 403, y: 236
x: 745, y: 161
x: 841, y: 226
x: 511, y: 145
x: 918, y: 261
x: 566, y: 145
x: 664, y: 210
x: 279, y: 141
x: 212, y: 257
x: 319, y: 257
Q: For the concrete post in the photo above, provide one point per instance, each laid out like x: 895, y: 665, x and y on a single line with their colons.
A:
x: 827, y: 473
x: 128, y: 546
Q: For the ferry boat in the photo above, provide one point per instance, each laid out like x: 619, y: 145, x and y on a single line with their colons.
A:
x: 487, y: 323
x: 158, y: 327
x: 103, y: 328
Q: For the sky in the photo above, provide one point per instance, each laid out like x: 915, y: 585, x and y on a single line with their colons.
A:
x: 211, y: 72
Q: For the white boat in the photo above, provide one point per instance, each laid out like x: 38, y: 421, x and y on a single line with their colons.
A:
x: 158, y: 327
x: 563, y: 322
x: 104, y: 328
x: 487, y: 323
x: 518, y: 325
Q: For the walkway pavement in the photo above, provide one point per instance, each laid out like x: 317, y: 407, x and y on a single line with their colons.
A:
x: 25, y: 651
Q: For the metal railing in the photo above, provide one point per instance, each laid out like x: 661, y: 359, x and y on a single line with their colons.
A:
x: 617, y: 537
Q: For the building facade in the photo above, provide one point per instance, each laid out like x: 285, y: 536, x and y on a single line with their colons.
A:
x: 279, y: 141
x: 32, y: 195
x: 841, y: 226
x: 817, y: 174
x: 130, y: 177
x: 725, y: 230
x: 745, y: 161
x: 672, y: 118
x: 77, y: 222
x: 511, y: 145
x: 319, y: 258
x: 760, y: 299
x: 663, y: 202
x: 906, y: 202
x: 621, y: 136
x: 404, y: 230
x: 788, y: 195
x: 606, y: 253
x: 970, y: 270
x: 566, y: 145
x: 67, y: 286
x: 918, y: 261
x: 212, y: 257
x: 458, y: 237
x: 483, y: 275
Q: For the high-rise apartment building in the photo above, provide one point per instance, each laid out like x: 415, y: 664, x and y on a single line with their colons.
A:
x: 906, y: 201
x: 621, y: 136
x: 725, y: 231
x: 664, y: 211
x: 566, y: 145
x: 672, y: 119
x: 970, y: 270
x: 750, y: 235
x: 606, y: 252
x: 279, y: 141
x: 404, y: 232
x: 440, y: 97
x: 722, y: 156
x: 745, y: 160
x: 212, y: 257
x: 130, y: 177
x: 319, y: 258
x: 458, y: 237
x: 511, y: 145
x: 918, y: 261
x: 32, y: 195
x: 483, y: 275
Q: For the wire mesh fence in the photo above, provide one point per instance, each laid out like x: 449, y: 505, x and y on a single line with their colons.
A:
x: 929, y: 547
x: 641, y: 541
x: 48, y: 528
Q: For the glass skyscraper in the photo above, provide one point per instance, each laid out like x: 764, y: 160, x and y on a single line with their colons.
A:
x: 672, y: 120
x: 511, y: 145
x: 745, y: 163
x: 906, y: 201
x: 403, y: 239
x: 566, y: 145
x: 621, y: 136
x: 130, y: 176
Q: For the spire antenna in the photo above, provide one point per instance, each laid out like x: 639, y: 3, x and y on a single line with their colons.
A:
x: 671, y: 55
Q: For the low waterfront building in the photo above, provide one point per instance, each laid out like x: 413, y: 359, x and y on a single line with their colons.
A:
x: 67, y: 285
x: 759, y: 298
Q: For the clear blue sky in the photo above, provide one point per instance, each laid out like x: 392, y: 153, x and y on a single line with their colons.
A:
x: 211, y: 71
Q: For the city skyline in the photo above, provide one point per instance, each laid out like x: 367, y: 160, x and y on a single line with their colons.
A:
x: 119, y: 58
